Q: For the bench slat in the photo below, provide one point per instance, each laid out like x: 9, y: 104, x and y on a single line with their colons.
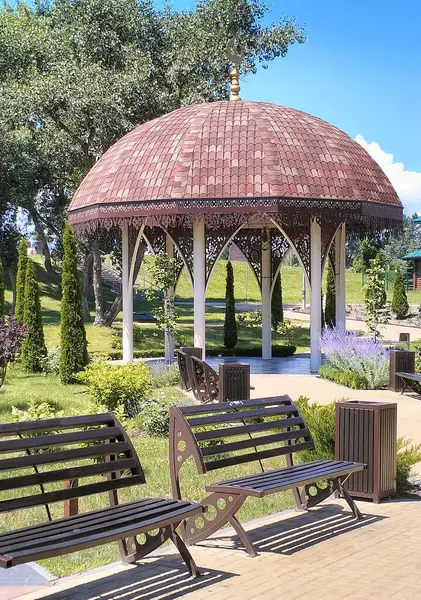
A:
x: 241, y: 415
x: 84, y: 518
x: 253, y: 456
x: 224, y: 406
x: 241, y: 429
x: 286, y: 481
x: 58, y: 423
x: 68, y: 494
x: 93, y: 539
x: 59, y: 439
x: 267, y: 474
x: 256, y: 441
x: 66, y: 474
x: 22, y: 462
x: 69, y: 531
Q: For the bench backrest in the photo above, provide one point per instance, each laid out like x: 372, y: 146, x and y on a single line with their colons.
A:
x: 206, y: 381
x: 93, y: 449
x: 231, y: 433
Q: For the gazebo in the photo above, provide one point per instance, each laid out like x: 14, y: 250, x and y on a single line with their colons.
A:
x: 261, y: 175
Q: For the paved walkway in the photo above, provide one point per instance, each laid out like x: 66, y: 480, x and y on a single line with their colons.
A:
x: 323, y: 555
x: 323, y: 391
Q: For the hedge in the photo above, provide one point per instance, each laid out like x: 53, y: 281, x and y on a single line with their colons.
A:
x: 347, y: 378
x: 255, y: 351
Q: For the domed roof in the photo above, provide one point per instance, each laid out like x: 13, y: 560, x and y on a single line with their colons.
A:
x: 229, y: 150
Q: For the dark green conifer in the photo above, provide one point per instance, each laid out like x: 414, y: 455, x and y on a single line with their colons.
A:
x: 277, y: 308
x: 20, y: 281
x: 230, y: 325
x: 73, y: 345
x: 400, y: 304
x: 33, y: 347
x: 330, y: 304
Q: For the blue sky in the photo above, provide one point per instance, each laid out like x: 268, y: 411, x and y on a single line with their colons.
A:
x: 360, y: 70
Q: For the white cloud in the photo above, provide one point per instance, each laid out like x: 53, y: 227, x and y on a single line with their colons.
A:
x: 406, y: 183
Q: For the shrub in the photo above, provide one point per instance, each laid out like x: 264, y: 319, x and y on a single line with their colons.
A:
x: 164, y: 375
x: 35, y: 411
x: 348, y: 378
x: 400, y: 304
x: 366, y: 357
x: 33, y: 347
x: 12, y: 335
x: 20, y: 281
x: 74, y: 352
x: 51, y: 362
x: 407, y: 456
x: 277, y: 307
x: 155, y: 416
x: 230, y: 324
x: 320, y: 419
x: 1, y: 291
x: 112, y: 386
x: 330, y: 304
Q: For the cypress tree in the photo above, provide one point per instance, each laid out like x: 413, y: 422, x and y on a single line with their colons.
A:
x: 323, y: 324
x: 33, y: 347
x: 400, y: 304
x: 1, y: 291
x: 277, y: 308
x: 230, y: 325
x: 20, y: 281
x: 74, y: 350
x: 330, y: 304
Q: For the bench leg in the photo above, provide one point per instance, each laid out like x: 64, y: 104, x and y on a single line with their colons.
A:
x: 350, y: 501
x: 185, y: 554
x: 242, y: 534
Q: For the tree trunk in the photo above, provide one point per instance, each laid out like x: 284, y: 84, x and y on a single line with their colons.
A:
x: 12, y: 276
x: 87, y: 280
x: 113, y: 311
x: 97, y: 283
x: 46, y: 251
x: 115, y: 308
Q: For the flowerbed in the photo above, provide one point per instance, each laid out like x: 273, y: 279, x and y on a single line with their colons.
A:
x: 354, y: 361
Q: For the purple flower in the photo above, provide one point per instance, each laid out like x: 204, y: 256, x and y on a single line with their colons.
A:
x: 348, y: 351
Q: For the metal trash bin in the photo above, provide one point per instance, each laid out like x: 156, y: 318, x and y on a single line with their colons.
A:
x: 400, y: 361
x: 234, y: 381
x: 366, y: 432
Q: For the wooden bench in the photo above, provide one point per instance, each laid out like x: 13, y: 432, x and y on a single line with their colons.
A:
x: 39, y: 455
x: 185, y: 366
x: 407, y: 378
x: 232, y: 433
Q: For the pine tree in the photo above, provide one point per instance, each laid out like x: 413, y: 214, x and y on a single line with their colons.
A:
x: 20, y: 281
x: 330, y: 304
x: 74, y: 350
x: 230, y: 325
x: 277, y: 308
x: 33, y: 347
x: 400, y: 304
x: 1, y: 291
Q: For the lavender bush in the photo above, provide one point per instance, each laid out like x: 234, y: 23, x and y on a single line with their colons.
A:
x: 11, y: 338
x: 347, y: 351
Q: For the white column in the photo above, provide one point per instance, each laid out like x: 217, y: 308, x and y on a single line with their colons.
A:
x: 316, y: 294
x: 340, y: 239
x: 127, y: 292
x: 199, y: 284
x: 266, y: 299
x: 169, y: 339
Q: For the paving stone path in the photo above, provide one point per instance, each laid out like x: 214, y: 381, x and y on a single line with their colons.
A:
x: 323, y: 554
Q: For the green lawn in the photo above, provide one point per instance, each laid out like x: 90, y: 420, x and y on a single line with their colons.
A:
x: 153, y: 452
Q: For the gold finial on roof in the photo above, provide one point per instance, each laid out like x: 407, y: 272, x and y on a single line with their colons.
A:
x: 236, y: 56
